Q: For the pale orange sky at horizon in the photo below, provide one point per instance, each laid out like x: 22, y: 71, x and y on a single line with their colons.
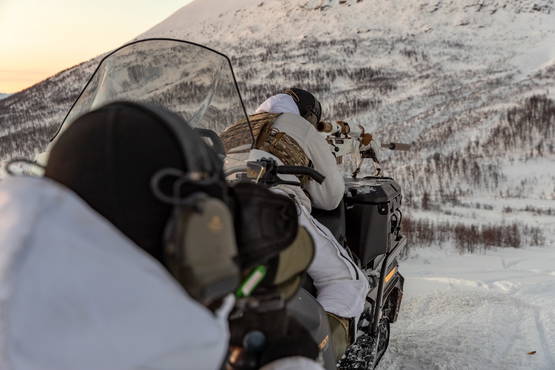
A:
x: 39, y: 38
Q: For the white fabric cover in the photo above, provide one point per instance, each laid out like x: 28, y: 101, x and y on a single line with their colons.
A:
x: 280, y: 103
x: 342, y: 287
x: 328, y: 194
x: 75, y: 293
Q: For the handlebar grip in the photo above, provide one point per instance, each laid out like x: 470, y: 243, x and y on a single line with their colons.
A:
x: 300, y: 170
x: 217, y: 143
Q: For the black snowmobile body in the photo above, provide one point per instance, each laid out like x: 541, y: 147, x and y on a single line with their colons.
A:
x: 306, y: 310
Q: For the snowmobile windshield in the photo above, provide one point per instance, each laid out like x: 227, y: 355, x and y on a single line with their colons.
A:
x: 194, y: 81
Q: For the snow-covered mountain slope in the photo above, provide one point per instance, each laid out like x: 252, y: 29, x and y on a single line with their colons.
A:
x: 29, y: 118
x: 216, y: 22
x: 441, y: 74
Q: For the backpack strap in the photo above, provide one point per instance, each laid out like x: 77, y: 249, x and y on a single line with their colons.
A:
x: 237, y: 136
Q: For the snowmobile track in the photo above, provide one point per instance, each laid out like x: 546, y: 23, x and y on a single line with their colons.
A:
x: 544, y: 342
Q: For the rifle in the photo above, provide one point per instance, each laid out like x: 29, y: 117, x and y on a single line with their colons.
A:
x: 359, y: 144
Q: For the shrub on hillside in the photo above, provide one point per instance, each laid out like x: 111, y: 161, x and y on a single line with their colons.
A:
x: 470, y: 238
x: 529, y: 127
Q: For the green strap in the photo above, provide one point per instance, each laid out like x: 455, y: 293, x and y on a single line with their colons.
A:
x: 251, y: 282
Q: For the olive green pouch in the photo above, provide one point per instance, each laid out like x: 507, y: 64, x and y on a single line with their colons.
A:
x: 201, y: 250
x: 285, y: 272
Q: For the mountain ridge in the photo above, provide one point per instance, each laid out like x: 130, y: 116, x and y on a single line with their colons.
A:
x: 200, y: 21
x: 441, y: 74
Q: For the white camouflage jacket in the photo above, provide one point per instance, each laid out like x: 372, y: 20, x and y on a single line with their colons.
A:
x: 324, y: 196
x: 77, y: 294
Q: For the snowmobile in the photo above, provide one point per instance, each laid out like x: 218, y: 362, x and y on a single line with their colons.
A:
x: 199, y: 84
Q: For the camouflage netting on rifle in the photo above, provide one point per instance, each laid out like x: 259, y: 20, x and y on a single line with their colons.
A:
x: 237, y: 138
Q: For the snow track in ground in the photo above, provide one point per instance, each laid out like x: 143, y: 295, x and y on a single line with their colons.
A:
x: 483, y: 311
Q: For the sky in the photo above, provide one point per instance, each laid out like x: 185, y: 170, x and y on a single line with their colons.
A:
x: 39, y: 38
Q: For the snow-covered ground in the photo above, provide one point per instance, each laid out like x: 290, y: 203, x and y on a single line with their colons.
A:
x: 490, y: 310
x: 484, y: 311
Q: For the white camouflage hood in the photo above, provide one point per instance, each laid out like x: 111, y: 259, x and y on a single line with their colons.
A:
x: 279, y: 103
x: 77, y: 294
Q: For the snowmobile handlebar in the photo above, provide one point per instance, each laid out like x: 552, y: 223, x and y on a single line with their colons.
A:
x: 266, y: 171
x: 301, y: 171
x: 215, y: 141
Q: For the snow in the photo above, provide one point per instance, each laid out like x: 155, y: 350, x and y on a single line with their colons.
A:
x: 2, y: 96
x: 485, y: 311
x: 472, y: 61
x: 197, y: 13
x: 535, y: 178
x: 214, y: 21
x: 537, y: 57
x: 458, y: 64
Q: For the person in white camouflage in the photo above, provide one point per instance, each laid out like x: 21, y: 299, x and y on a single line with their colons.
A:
x: 284, y: 126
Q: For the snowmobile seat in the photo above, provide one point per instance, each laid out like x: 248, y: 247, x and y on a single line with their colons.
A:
x: 334, y: 220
